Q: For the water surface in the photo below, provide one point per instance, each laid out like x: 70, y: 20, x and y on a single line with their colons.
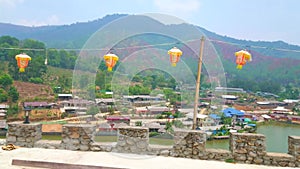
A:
x: 276, y: 137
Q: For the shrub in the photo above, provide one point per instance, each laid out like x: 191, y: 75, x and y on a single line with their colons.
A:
x: 152, y: 134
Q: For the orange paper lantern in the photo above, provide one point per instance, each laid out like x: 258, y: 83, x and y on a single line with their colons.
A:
x: 175, y: 54
x: 242, y: 57
x: 22, y: 61
x: 110, y: 60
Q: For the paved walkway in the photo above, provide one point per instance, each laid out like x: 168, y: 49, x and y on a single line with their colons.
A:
x: 114, y: 160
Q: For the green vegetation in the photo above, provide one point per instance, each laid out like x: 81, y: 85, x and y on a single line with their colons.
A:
x: 138, y: 123
x: 54, y: 122
x: 159, y: 141
x: 229, y: 160
x: 58, y: 73
x: 93, y: 110
x: 51, y: 137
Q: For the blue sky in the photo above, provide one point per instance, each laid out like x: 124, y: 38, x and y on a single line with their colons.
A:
x: 267, y: 20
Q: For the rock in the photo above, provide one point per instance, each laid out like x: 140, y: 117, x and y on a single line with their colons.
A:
x: 165, y: 153
x: 258, y: 161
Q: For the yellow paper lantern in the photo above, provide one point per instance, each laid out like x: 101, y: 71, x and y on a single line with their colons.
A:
x: 242, y: 57
x: 175, y: 54
x: 110, y: 60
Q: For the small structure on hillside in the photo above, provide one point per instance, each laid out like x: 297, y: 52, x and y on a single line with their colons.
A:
x: 281, y: 110
x: 76, y: 106
x: 3, y: 111
x: 143, y: 100
x: 62, y: 97
x: 37, y: 105
x: 118, y: 119
x: 105, y: 101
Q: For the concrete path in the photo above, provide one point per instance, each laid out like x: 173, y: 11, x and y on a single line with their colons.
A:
x: 113, y: 160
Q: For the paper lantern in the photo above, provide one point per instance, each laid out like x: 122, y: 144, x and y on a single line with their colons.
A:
x: 242, y: 57
x: 110, y: 60
x: 175, y: 54
x: 22, y: 61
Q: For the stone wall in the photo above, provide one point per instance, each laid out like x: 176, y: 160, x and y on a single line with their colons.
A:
x: 133, y: 140
x: 294, y: 148
x: 244, y: 147
x: 189, y: 144
x: 247, y: 147
x: 78, y: 136
x: 24, y: 135
x: 251, y: 149
x: 2, y: 142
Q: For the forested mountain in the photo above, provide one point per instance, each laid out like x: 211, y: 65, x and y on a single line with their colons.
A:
x: 62, y: 36
x: 275, y: 64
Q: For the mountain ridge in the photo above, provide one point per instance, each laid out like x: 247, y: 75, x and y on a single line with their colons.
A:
x: 23, y: 32
x: 278, y: 60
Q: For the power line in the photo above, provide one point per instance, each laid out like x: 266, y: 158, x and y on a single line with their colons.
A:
x: 148, y: 46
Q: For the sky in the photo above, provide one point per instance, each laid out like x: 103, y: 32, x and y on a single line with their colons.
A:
x: 265, y: 20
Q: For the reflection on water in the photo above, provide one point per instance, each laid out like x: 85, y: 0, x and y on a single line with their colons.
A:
x: 276, y: 137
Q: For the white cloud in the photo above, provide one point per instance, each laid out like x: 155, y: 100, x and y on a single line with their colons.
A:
x: 52, y: 20
x: 178, y: 6
x: 10, y: 3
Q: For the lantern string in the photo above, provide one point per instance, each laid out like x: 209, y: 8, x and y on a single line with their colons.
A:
x: 148, y: 46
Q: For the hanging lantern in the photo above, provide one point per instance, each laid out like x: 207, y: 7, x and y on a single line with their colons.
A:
x: 22, y: 60
x: 110, y: 60
x: 174, y: 53
x: 242, y: 57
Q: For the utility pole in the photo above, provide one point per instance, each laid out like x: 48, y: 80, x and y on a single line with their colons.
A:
x: 198, y: 83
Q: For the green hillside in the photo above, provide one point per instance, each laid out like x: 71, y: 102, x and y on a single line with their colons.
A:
x: 275, y: 65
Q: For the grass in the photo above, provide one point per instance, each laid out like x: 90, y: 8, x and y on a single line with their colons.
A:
x: 103, y: 139
x: 54, y: 122
x: 2, y: 137
x: 161, y: 141
x: 158, y: 141
x: 106, y: 138
x: 51, y: 137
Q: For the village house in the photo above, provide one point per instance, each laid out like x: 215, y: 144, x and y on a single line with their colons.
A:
x: 62, y: 97
x: 229, y: 90
x: 37, y: 105
x: 3, y: 111
x: 143, y: 100
x: 75, y: 106
x: 105, y: 102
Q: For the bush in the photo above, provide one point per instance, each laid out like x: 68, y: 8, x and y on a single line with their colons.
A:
x: 229, y: 160
x: 152, y: 134
x: 138, y: 123
x: 36, y: 80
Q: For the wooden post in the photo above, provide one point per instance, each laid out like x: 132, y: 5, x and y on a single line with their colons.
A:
x: 198, y: 83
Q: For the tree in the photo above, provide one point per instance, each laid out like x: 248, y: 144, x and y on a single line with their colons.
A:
x: 11, y: 41
x: 5, y: 81
x: 3, y: 96
x: 13, y: 109
x: 33, y: 44
x: 13, y: 93
x: 93, y: 110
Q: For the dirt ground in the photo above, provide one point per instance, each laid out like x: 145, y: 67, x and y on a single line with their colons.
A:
x: 31, y: 91
x: 52, y: 128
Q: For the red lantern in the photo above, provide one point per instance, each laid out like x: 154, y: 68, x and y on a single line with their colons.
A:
x: 175, y: 54
x: 242, y: 57
x: 22, y: 61
x: 110, y: 60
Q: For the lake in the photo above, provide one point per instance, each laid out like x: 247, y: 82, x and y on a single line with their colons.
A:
x: 276, y: 137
